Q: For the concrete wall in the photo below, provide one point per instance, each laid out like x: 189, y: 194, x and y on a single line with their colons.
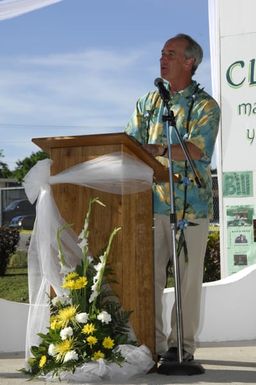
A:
x: 228, y: 308
x: 13, y: 322
x: 228, y: 313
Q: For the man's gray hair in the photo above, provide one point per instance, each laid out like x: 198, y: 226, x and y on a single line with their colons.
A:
x: 193, y: 50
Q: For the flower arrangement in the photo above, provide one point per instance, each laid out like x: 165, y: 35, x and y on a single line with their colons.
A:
x: 87, y: 323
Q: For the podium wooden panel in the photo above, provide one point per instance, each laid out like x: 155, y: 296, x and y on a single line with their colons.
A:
x: 132, y: 253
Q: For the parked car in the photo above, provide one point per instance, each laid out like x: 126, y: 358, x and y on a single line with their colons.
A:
x: 25, y: 222
x: 17, y: 208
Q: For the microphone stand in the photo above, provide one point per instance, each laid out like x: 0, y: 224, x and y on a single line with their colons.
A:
x: 179, y: 367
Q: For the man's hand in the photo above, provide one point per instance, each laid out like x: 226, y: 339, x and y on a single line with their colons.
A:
x: 177, y: 152
x: 155, y: 149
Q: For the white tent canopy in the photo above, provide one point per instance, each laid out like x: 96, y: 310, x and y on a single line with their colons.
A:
x: 13, y: 8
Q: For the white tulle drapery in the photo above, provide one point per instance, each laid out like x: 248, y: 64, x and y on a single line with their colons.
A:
x: 115, y: 173
x: 138, y: 360
x: 13, y: 8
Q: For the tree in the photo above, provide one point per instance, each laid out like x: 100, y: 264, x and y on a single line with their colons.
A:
x: 23, y: 166
x: 4, y: 169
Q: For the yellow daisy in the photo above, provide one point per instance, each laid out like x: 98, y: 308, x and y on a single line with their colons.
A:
x: 42, y: 361
x: 62, y: 348
x: 89, y: 329
x: 54, y: 323
x: 97, y: 355
x: 66, y: 315
x: 91, y: 340
x: 80, y: 283
x: 74, y: 283
x: 108, y: 343
x: 72, y: 275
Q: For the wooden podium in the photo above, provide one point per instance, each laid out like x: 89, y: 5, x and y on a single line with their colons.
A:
x: 132, y: 251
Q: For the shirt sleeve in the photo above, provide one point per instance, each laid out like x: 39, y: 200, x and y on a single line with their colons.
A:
x: 139, y: 123
x: 135, y: 123
x: 204, y: 127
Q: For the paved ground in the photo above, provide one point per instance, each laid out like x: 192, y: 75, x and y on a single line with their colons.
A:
x: 234, y: 364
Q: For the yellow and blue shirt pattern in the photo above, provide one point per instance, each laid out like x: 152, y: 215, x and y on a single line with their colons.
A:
x: 199, y: 126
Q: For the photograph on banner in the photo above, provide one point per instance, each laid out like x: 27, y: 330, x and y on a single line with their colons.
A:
x: 240, y: 237
x: 238, y: 184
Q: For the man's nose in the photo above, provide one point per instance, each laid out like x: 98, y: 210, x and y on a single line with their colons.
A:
x: 163, y: 58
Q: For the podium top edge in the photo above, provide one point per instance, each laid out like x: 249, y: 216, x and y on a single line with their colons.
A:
x: 49, y: 143
x: 46, y: 143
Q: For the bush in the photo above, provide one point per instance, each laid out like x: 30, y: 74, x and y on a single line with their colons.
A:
x: 212, y: 258
x: 211, y: 262
x: 9, y: 239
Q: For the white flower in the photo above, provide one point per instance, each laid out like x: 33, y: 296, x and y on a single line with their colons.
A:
x: 99, y: 266
x: 96, y: 278
x: 83, y: 232
x: 66, y: 332
x: 71, y: 355
x: 83, y: 243
x: 51, y: 350
x: 90, y: 259
x: 63, y: 300
x: 55, y: 301
x: 93, y: 296
x: 104, y: 317
x: 82, y: 318
x: 94, y: 286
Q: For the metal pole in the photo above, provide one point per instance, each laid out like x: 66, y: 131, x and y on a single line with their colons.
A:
x: 173, y: 222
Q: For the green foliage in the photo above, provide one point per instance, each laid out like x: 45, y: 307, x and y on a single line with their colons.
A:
x: 4, y: 170
x: 212, y: 258
x: 9, y: 239
x: 120, y: 321
x: 23, y: 166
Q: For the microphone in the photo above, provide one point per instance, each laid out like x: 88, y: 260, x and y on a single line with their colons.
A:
x: 164, y: 93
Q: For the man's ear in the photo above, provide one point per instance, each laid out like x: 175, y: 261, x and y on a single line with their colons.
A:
x: 189, y: 64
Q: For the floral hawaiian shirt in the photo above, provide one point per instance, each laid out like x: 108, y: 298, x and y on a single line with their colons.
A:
x: 196, y: 116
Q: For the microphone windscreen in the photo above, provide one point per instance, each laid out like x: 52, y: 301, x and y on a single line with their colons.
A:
x: 158, y: 81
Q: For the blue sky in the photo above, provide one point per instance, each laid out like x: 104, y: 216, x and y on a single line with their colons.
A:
x: 77, y: 67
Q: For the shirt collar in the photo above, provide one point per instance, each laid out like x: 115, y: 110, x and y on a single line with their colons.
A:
x: 187, y: 92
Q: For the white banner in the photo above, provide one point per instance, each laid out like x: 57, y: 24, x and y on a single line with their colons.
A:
x: 238, y: 81
x: 12, y: 8
x: 233, y: 31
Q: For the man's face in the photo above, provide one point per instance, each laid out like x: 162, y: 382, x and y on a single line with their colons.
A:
x: 173, y: 64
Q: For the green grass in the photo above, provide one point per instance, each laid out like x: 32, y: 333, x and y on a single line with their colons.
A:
x: 14, y: 285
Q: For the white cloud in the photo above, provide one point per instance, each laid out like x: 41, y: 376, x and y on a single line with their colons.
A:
x: 65, y: 94
x: 66, y: 88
